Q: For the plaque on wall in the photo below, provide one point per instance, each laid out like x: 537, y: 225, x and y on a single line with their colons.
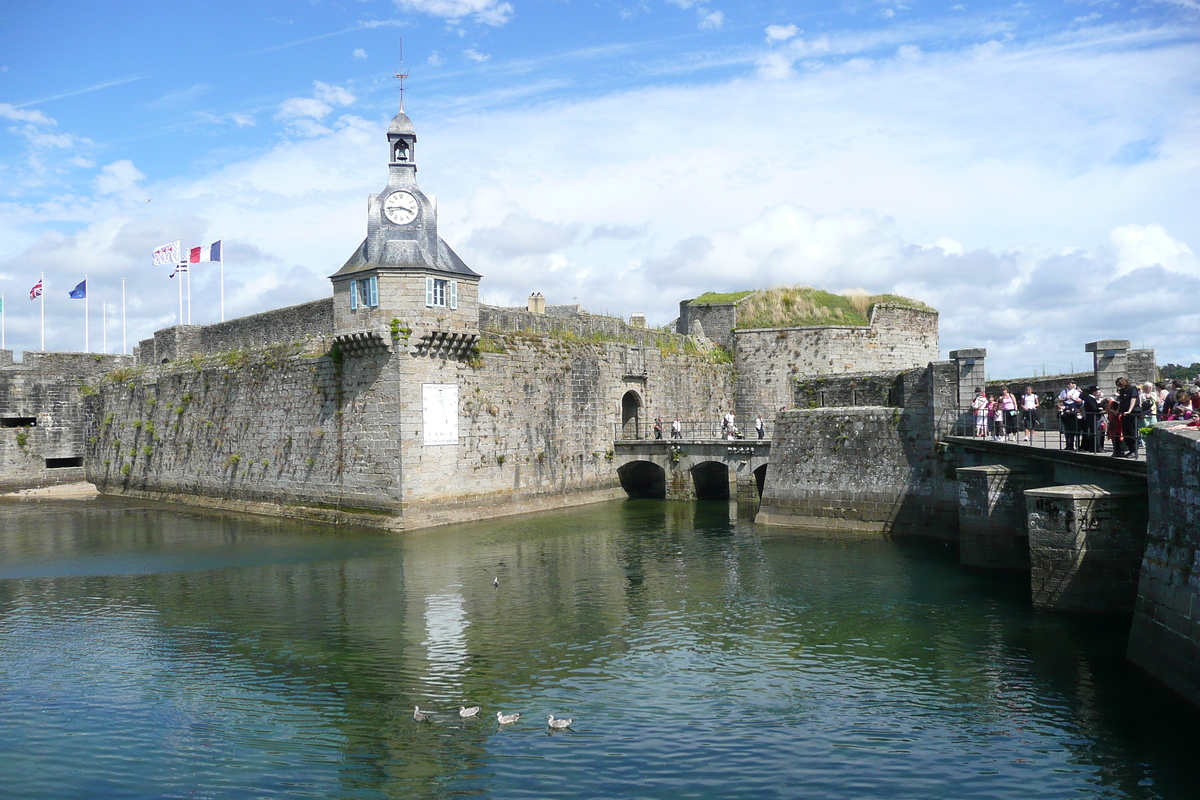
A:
x: 439, y: 408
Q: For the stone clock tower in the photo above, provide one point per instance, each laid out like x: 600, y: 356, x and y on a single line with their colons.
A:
x: 403, y: 270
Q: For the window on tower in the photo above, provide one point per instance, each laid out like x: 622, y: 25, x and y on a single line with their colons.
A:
x: 401, y: 152
x: 364, y: 293
x: 441, y: 293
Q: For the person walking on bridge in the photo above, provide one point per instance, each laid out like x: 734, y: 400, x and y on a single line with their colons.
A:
x: 677, y: 429
x: 1127, y: 408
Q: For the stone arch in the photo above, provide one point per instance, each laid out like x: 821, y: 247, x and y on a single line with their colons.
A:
x: 711, y: 480
x: 631, y: 414
x: 760, y: 478
x: 643, y: 479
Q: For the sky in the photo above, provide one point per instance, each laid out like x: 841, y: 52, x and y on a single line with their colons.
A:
x: 1031, y: 170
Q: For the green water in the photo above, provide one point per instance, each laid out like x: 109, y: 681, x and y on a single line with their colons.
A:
x: 156, y: 652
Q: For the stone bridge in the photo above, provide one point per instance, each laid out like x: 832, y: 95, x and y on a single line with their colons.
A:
x: 693, y: 469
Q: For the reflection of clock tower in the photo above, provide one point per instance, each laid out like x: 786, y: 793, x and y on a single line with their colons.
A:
x: 403, y: 270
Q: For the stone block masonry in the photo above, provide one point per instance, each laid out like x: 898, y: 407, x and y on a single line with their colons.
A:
x: 1085, y: 548
x: 1164, y: 639
x: 770, y: 360
x: 42, y: 418
x: 859, y: 470
x: 992, y: 531
x: 293, y: 430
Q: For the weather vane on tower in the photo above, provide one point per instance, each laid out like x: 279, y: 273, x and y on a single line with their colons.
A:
x: 402, y: 74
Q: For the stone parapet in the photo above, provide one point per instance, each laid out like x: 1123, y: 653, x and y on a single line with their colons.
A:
x: 1085, y: 548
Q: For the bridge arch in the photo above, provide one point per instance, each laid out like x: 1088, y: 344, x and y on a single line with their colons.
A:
x: 631, y: 412
x: 643, y: 479
x: 711, y: 480
x: 760, y: 478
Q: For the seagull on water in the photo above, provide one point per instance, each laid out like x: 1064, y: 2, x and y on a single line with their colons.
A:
x: 496, y: 581
x: 468, y: 712
x: 558, y: 724
x: 507, y: 719
x: 419, y: 715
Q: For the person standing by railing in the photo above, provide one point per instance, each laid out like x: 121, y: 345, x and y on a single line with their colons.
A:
x: 677, y: 429
x: 1029, y: 404
x: 759, y: 427
x: 658, y: 427
x: 1092, y: 440
x: 1127, y: 407
x: 979, y: 409
x: 1008, y: 407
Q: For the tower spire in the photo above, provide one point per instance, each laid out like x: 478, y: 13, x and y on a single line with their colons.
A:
x: 402, y: 74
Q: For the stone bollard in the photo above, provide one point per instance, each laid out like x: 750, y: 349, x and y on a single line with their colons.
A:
x: 1085, y: 548
x: 992, y: 529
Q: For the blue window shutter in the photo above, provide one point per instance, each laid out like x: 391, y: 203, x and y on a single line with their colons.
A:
x: 374, y: 290
x: 429, y: 291
x: 453, y: 294
x: 353, y: 295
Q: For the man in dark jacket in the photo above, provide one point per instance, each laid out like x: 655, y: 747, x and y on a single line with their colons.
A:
x: 1092, y: 440
x: 1127, y: 407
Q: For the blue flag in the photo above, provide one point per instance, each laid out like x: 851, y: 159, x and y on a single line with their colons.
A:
x: 80, y: 291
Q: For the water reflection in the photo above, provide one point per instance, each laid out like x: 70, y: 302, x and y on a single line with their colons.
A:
x: 148, y: 651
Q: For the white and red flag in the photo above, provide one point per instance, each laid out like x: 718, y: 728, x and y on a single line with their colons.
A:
x: 36, y: 291
x: 167, y: 255
x: 210, y: 253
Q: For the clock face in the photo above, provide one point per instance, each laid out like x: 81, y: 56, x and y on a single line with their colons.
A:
x: 400, y: 208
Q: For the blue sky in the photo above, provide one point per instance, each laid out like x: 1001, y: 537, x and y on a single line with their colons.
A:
x: 1030, y: 169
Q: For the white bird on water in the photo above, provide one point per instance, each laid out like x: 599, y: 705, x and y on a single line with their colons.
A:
x: 496, y: 581
x: 419, y: 715
x: 507, y: 719
x: 468, y: 712
x: 558, y: 724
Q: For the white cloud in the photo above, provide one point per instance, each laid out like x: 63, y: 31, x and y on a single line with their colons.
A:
x: 487, y: 12
x: 334, y: 95
x: 781, y: 33
x: 476, y: 56
x: 35, y: 117
x: 119, y: 176
x: 908, y: 52
x: 302, y: 115
x: 435, y: 59
x: 359, y: 53
x: 710, y: 20
x: 1138, y: 246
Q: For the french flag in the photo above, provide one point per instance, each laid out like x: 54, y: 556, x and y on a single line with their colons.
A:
x: 210, y: 253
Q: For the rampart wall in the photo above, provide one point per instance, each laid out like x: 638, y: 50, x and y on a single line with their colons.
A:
x: 769, y: 360
x: 42, y: 418
x: 282, y: 325
x: 342, y: 436
x: 566, y: 320
x: 1164, y: 638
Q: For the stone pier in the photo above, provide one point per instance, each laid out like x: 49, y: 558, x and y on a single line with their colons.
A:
x: 992, y: 531
x: 1109, y: 362
x: 1085, y: 548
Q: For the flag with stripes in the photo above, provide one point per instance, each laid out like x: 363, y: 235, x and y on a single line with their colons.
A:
x: 36, y: 291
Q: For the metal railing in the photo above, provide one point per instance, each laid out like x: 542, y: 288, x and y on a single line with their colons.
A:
x: 702, y: 430
x: 1086, y: 432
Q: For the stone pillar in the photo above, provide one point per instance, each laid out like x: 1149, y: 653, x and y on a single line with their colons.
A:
x: 970, y: 372
x: 679, y: 480
x: 1109, y: 361
x: 1085, y: 547
x: 537, y: 303
x: 992, y: 530
x: 637, y: 320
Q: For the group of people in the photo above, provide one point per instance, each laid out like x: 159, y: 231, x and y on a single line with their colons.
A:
x: 729, y: 429
x: 1087, y: 418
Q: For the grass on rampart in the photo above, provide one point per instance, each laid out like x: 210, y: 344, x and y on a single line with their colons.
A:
x: 713, y: 298
x: 803, y: 306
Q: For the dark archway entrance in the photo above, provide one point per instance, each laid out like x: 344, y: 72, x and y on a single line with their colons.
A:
x: 711, y: 480
x: 631, y: 412
x: 760, y: 478
x: 643, y: 479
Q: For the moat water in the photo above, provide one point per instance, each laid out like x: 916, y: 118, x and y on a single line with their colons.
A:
x: 148, y: 651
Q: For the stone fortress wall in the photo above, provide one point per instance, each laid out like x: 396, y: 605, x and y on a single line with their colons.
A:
x: 303, y: 428
x: 42, y: 416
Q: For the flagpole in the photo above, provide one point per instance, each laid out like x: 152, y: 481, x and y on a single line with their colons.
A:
x: 2, y: 322
x: 222, y: 241
x: 189, y: 294
x: 87, y: 337
x: 104, y: 324
x: 42, y: 281
x: 123, y: 345
x: 179, y: 275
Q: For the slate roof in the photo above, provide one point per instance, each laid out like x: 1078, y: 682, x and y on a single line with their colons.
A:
x: 402, y: 254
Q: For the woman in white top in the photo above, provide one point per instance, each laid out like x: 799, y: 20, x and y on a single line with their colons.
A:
x: 1029, y: 404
